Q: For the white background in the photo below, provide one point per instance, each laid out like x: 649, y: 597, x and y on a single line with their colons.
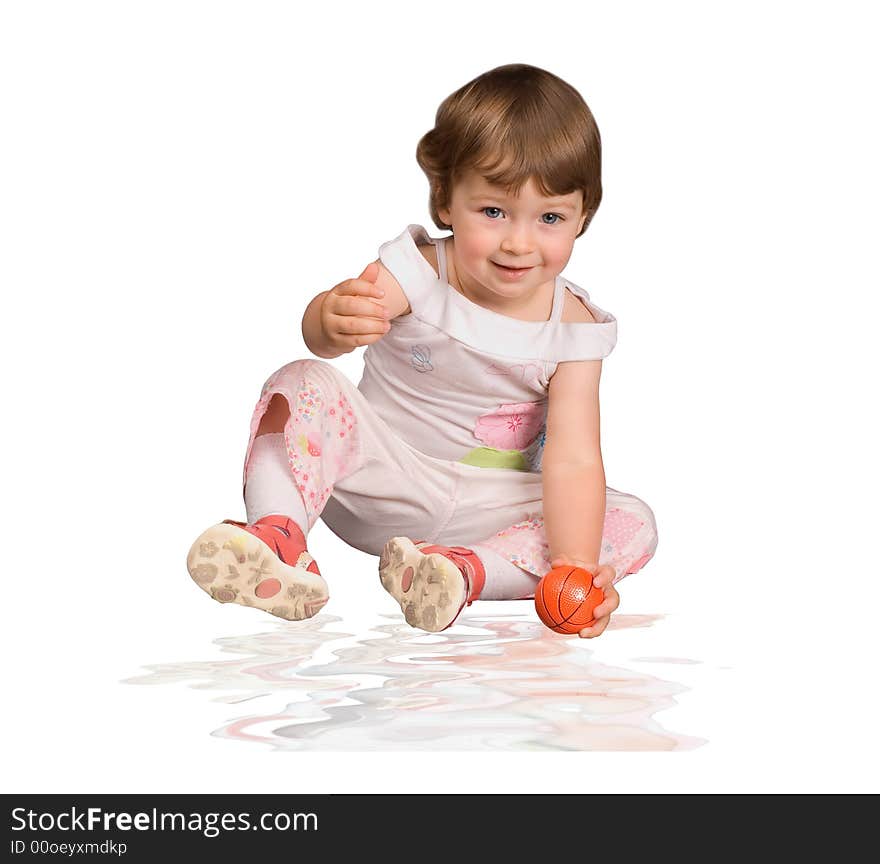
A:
x: 179, y: 179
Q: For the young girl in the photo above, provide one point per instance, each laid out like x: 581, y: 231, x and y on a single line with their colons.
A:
x: 468, y: 457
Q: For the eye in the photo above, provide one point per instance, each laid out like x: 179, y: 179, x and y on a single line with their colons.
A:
x: 556, y: 218
x: 485, y: 209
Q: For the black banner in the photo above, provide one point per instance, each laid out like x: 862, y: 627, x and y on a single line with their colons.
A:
x: 407, y: 827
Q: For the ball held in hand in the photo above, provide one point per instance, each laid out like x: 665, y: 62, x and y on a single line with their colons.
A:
x: 566, y: 597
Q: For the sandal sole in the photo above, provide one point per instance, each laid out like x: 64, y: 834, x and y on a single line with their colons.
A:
x: 234, y: 566
x: 429, y: 588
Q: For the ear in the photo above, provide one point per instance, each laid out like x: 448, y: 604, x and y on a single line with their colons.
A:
x: 443, y: 194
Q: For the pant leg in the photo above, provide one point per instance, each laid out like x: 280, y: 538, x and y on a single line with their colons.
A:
x: 322, y: 437
x: 510, y: 505
x: 351, y: 468
x: 629, y: 536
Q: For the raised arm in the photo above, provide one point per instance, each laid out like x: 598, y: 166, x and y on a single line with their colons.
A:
x: 353, y: 313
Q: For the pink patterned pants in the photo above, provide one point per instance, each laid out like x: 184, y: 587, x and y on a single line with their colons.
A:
x: 368, y: 485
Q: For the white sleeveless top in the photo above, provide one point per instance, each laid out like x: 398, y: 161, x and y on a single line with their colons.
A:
x: 460, y: 382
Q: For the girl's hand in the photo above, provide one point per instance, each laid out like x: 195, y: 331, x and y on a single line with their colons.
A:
x: 352, y: 314
x: 602, y: 578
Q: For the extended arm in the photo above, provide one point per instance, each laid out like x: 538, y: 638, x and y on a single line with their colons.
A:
x: 574, y: 481
x: 572, y: 469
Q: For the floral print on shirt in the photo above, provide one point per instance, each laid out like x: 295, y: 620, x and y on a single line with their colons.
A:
x: 511, y: 427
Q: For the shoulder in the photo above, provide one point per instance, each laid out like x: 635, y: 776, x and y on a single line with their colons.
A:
x: 573, y: 412
x: 429, y: 253
x: 399, y: 268
x: 576, y: 378
x: 572, y: 341
x: 395, y: 300
x: 575, y: 311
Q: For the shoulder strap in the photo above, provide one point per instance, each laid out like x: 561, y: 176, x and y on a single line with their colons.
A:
x: 582, y: 341
x: 441, y: 258
x: 558, y: 300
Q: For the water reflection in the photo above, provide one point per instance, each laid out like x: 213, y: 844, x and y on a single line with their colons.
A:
x: 502, y: 682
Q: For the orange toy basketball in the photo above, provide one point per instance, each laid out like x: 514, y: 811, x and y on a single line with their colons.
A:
x: 566, y: 597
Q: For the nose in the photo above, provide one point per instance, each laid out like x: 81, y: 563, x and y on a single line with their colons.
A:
x: 517, y: 240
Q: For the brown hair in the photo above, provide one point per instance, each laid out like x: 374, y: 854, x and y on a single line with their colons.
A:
x: 512, y: 123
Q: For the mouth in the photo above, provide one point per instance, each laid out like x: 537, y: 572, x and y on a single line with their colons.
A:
x: 511, y: 269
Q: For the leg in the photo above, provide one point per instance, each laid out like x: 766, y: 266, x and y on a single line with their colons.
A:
x: 431, y: 583
x: 316, y: 443
x: 629, y: 540
x: 276, y: 416
x: 264, y: 562
x: 308, y: 402
x: 269, y: 487
x: 434, y: 583
x: 351, y: 468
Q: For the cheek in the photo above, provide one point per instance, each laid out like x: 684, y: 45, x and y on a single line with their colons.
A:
x: 472, y: 249
x: 558, y: 254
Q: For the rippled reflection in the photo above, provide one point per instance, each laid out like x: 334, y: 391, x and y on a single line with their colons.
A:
x: 504, y: 682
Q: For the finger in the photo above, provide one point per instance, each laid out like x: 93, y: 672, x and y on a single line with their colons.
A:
x: 371, y: 309
x: 608, y: 605
x: 362, y: 308
x: 371, y: 272
x: 564, y: 560
x: 357, y: 287
x: 349, y: 325
x: 595, y: 629
x: 604, y: 577
x: 560, y: 562
x: 364, y: 339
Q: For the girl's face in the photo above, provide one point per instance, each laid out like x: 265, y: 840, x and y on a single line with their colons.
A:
x: 507, y: 248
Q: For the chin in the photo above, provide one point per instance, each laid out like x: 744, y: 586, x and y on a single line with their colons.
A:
x: 511, y: 293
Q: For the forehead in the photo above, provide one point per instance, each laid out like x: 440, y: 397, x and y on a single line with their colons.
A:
x: 472, y: 183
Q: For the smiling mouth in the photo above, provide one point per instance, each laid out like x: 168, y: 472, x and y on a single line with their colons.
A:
x: 511, y: 269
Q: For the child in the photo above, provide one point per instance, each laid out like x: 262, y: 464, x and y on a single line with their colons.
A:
x: 468, y: 457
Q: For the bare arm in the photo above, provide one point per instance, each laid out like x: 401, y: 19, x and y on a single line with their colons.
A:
x: 572, y: 469
x: 574, y: 482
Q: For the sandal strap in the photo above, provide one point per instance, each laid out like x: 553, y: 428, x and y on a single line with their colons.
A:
x: 467, y: 561
x: 284, y: 537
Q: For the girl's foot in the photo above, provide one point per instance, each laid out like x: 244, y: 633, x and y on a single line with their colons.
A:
x: 431, y: 583
x: 264, y: 565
